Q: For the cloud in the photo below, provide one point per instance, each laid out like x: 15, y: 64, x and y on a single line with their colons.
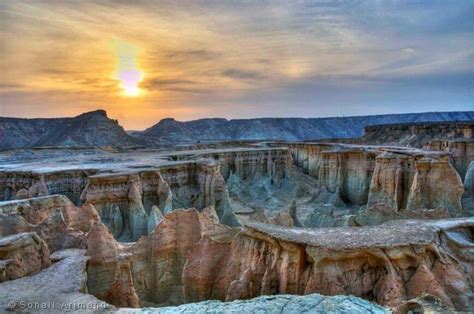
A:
x: 175, y: 85
x: 239, y: 74
x: 238, y: 59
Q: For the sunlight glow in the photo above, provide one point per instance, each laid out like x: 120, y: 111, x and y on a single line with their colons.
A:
x: 127, y: 72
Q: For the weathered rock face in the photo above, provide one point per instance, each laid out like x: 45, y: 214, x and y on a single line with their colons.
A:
x: 468, y: 197
x: 159, y: 259
x: 404, y: 260
x: 28, y: 184
x: 308, y: 157
x: 414, y: 182
x: 436, y: 183
x: 364, y: 175
x: 349, y: 171
x: 190, y: 257
x: 54, y: 218
x: 109, y: 269
x: 462, y: 152
x: 21, y: 255
x: 253, y: 163
x: 417, y: 134
x: 125, y: 201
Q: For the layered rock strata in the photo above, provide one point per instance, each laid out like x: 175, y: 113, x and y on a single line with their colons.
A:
x: 397, y: 177
x: 190, y: 257
x: 54, y: 218
x: 404, y: 260
x: 417, y: 134
x: 28, y: 184
x: 462, y: 152
x: 21, y: 255
x: 131, y: 203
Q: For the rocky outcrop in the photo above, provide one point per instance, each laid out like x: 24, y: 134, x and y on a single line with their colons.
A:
x: 252, y: 164
x: 21, y: 255
x: 415, y: 181
x: 190, y: 257
x: 308, y: 157
x: 54, y: 218
x: 125, y: 200
x: 436, y: 183
x: 158, y: 260
x: 28, y: 184
x: 348, y: 172
x: 462, y: 152
x: 58, y: 288
x: 109, y: 269
x: 468, y: 197
x: 418, y: 134
x: 404, y: 260
x: 313, y: 303
x: 399, y: 178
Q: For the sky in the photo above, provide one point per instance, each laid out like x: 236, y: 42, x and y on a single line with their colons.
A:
x: 145, y: 60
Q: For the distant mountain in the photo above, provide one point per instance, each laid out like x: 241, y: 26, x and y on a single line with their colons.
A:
x: 91, y: 129
x: 288, y: 129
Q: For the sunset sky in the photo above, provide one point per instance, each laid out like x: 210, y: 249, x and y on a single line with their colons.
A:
x: 146, y: 60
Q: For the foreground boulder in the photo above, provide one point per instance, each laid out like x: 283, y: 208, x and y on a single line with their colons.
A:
x: 313, y: 303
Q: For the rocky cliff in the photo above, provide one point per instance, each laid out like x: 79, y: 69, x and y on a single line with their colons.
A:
x: 91, y: 129
x: 289, y: 129
x: 399, y: 178
x: 418, y: 134
x: 191, y: 257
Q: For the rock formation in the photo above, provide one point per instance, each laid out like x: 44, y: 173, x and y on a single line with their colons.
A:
x: 462, y: 152
x: 402, y: 179
x: 58, y: 288
x: 28, y: 184
x: 54, y: 218
x: 22, y: 254
x: 190, y: 257
x: 405, y: 260
x: 418, y: 134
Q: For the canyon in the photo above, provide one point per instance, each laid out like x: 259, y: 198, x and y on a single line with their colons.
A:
x: 380, y: 221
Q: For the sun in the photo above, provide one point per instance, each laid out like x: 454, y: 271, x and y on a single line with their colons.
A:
x: 127, y: 71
